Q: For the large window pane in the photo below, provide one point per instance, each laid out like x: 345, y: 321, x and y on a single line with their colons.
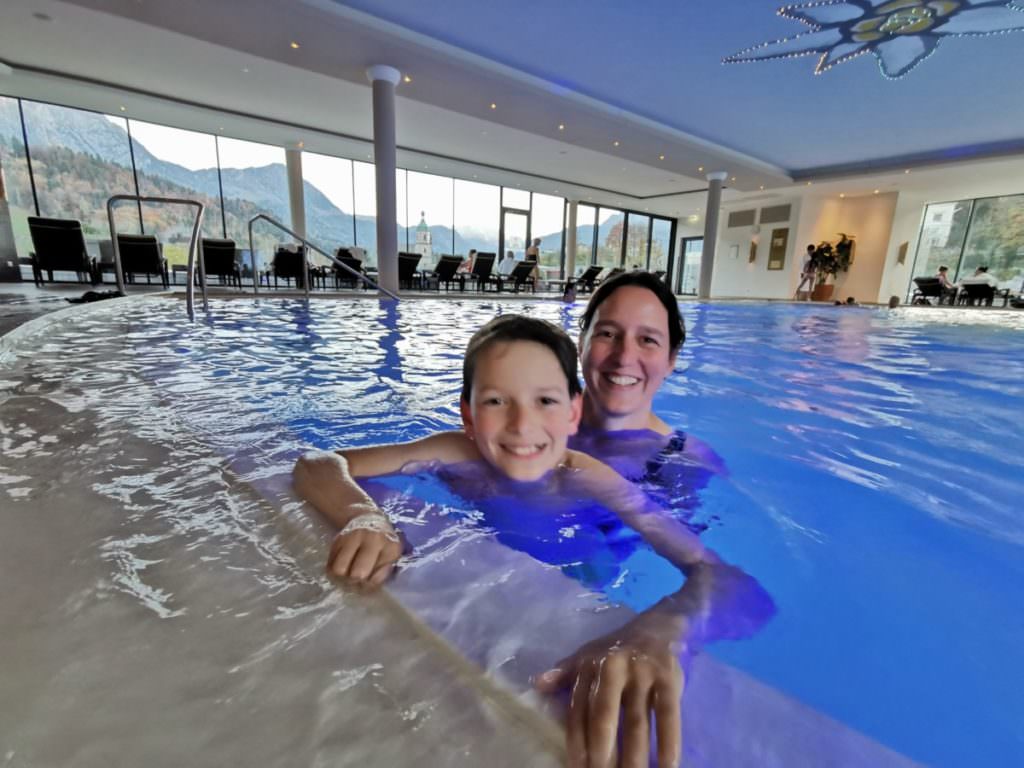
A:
x: 430, y: 207
x: 609, y: 237
x: 547, y: 223
x: 477, y: 209
x: 176, y: 163
x: 402, y: 223
x: 255, y: 182
x: 661, y: 237
x: 586, y: 228
x: 636, y: 241
x: 942, y: 237
x: 366, y: 209
x: 15, y: 169
x: 79, y: 160
x: 515, y: 198
x: 995, y: 239
x: 327, y: 188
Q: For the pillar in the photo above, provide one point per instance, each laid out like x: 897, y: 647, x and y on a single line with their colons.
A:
x: 9, y: 267
x: 384, y: 79
x: 707, y: 259
x: 296, y: 196
x: 570, y: 242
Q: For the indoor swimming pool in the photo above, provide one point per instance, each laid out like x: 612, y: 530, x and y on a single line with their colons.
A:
x: 165, y: 601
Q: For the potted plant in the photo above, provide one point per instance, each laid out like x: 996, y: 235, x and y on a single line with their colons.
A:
x: 829, y: 260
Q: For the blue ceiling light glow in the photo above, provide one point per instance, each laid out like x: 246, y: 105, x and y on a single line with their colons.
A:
x: 900, y: 33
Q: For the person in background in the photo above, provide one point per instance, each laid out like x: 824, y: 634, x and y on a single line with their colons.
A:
x: 507, y: 264
x: 807, y: 274
x: 980, y: 277
x: 466, y: 266
x: 948, y: 289
x: 533, y: 254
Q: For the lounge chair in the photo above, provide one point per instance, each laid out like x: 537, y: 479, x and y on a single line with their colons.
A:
x: 407, y: 274
x: 289, y: 265
x: 979, y: 293
x: 612, y: 273
x: 927, y: 288
x: 344, y: 277
x: 660, y: 275
x: 585, y: 282
x: 445, y: 272
x: 142, y: 255
x: 483, y: 265
x: 219, y: 259
x: 59, y: 244
x: 521, y: 275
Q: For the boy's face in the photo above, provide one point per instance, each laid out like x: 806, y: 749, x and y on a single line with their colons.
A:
x: 520, y: 413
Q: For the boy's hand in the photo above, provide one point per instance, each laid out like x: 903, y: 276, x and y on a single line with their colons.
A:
x: 633, y: 672
x: 365, y: 551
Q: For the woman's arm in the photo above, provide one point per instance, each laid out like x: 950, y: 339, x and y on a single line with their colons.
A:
x: 367, y: 547
x: 635, y: 670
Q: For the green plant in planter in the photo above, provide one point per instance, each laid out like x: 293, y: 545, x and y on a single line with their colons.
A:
x: 830, y: 260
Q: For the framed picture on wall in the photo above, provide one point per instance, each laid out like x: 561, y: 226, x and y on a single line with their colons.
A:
x: 777, y: 248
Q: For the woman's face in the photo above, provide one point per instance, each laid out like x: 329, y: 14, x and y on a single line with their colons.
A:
x: 626, y: 356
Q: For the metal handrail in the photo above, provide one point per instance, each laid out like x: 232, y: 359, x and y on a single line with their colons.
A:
x: 189, y: 290
x: 312, y: 247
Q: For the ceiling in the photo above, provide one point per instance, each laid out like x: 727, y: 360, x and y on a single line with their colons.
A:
x: 649, y: 76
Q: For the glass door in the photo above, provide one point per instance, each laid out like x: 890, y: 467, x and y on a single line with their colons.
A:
x: 515, y: 232
x: 688, y: 276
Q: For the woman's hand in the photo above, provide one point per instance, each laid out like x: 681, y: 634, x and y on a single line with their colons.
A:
x: 636, y: 672
x: 366, y: 550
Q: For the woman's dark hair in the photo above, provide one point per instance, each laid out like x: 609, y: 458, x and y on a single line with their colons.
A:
x: 521, y: 328
x: 657, y: 286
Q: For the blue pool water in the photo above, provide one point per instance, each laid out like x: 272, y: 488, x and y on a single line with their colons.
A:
x: 874, y: 459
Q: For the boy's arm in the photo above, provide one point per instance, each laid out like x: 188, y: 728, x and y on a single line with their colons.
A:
x: 367, y: 547
x: 635, y: 670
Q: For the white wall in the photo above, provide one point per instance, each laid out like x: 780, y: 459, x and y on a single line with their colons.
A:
x: 870, y: 220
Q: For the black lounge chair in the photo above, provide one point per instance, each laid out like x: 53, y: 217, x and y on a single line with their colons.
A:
x: 585, y: 282
x: 343, y: 276
x: 483, y: 265
x: 979, y: 293
x: 612, y: 273
x: 289, y: 265
x: 445, y: 272
x: 408, y: 277
x: 219, y: 259
x: 59, y: 245
x: 927, y: 289
x: 660, y: 275
x: 521, y: 275
x: 142, y: 255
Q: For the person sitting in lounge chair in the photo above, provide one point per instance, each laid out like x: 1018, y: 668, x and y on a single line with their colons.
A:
x: 948, y: 289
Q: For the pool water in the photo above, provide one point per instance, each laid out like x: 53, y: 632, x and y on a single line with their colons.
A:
x: 874, y: 483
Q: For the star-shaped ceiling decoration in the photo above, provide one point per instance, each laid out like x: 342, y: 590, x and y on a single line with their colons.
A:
x: 900, y: 33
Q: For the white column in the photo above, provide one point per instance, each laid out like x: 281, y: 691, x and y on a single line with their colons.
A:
x: 570, y: 241
x: 707, y: 259
x: 384, y: 79
x: 296, y: 194
x: 9, y: 267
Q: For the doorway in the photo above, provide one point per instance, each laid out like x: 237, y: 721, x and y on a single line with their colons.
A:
x: 514, y: 234
x: 687, y: 278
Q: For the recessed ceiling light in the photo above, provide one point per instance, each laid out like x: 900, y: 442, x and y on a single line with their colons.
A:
x: 561, y: 126
x: 907, y: 171
x: 300, y: 144
x: 245, y: 69
x: 123, y: 108
x: 733, y: 178
x: 474, y: 175
x: 220, y: 128
x: 877, y: 191
x: 700, y: 169
x: 616, y: 143
x: 424, y: 167
x: 809, y: 183
x: 294, y: 44
x: 661, y: 157
x: 762, y: 186
x: 407, y: 79
x: 493, y: 105
x: 842, y: 194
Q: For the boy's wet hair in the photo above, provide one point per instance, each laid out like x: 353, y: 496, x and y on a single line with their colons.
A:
x: 657, y: 286
x: 520, y: 328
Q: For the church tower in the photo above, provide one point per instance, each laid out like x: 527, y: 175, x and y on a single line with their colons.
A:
x: 423, y: 246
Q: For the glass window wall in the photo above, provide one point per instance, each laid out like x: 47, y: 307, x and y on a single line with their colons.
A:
x: 327, y: 183
x: 586, y: 229
x: 365, y: 203
x: 609, y: 237
x: 477, y: 210
x: 547, y: 222
x: 515, y: 198
x: 430, y: 216
x: 254, y: 181
x: 661, y: 238
x: 17, y: 184
x: 637, y: 229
